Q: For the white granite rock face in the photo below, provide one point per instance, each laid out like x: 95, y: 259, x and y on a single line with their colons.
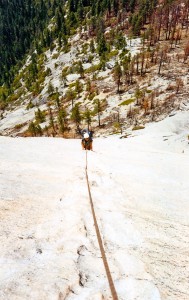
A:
x: 139, y: 185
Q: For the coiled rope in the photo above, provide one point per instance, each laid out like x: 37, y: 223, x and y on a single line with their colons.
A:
x: 107, y: 269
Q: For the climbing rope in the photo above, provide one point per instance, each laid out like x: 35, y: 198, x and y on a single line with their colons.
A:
x: 107, y: 269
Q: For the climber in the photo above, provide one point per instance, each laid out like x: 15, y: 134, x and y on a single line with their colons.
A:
x: 87, y: 141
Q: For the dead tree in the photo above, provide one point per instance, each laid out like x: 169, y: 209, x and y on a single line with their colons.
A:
x: 186, y: 52
x: 179, y: 84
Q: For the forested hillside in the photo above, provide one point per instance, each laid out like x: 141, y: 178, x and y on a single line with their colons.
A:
x: 20, y: 21
x: 24, y: 23
x: 44, y: 45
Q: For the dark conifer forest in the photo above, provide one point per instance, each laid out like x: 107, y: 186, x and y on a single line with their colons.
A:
x: 31, y: 28
x: 23, y: 24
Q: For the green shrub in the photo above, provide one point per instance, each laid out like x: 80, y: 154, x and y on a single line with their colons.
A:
x: 55, y: 56
x: 73, y: 31
x: 34, y: 129
x: 52, y: 96
x: 48, y: 72
x: 65, y: 71
x: 91, y: 96
x: 13, y: 97
x: 40, y: 116
x: 93, y: 68
x: 18, y: 126
x: 41, y: 59
x: 30, y: 105
x: 117, y: 126
x: 16, y: 83
x: 52, y: 47
x: 127, y: 102
x: 123, y: 53
x: 36, y: 88
x: 112, y: 54
x: 3, y: 105
x: 71, y: 85
x: 3, y: 93
x: 90, y: 58
x: 84, y: 48
x: 138, y: 127
x: 67, y: 48
x: 41, y: 77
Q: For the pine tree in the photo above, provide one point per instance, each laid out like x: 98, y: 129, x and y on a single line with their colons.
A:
x: 76, y: 115
x: 39, y: 130
x: 115, y: 6
x: 80, y: 69
x: 92, y: 47
x: 70, y: 95
x: 78, y: 87
x: 71, y: 5
x: 62, y: 119
x: 52, y: 123
x: 117, y: 73
x: 80, y: 10
x: 98, y: 110
x: 57, y: 100
x: 50, y: 88
x: 32, y: 129
x: 72, y: 20
x: 102, y: 46
x: 138, y: 95
x: 87, y: 117
x: 120, y: 41
x: 58, y: 21
x: 39, y: 116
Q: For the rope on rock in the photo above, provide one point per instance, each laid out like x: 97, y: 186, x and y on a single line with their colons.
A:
x: 107, y: 269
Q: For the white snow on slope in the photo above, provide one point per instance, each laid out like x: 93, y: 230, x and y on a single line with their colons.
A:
x: 48, y: 247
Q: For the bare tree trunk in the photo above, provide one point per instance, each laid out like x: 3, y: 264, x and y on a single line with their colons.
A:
x: 161, y: 61
x: 99, y: 119
x: 142, y: 64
